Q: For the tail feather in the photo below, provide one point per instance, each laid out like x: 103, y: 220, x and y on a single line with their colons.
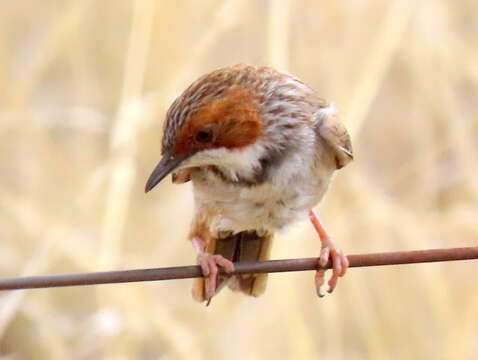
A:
x: 227, y: 247
x: 252, y: 247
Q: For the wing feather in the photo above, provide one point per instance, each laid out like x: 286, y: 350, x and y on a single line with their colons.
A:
x: 334, y: 133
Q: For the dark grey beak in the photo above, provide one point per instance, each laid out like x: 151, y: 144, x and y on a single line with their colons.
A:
x: 167, y: 164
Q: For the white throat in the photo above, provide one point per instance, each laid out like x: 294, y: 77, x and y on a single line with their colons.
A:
x: 236, y: 164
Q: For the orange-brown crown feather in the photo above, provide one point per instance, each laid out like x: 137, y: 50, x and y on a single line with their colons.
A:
x: 232, y: 120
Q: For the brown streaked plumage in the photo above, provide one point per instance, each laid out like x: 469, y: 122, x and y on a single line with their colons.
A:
x: 260, y: 148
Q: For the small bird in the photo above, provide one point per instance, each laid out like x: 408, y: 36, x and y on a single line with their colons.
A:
x: 260, y: 148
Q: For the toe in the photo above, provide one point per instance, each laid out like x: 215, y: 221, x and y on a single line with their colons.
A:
x: 319, y: 281
x: 225, y: 263
x: 345, y: 264
x: 204, y: 264
x: 211, y: 280
x: 332, y: 282
x: 336, y: 263
x: 336, y: 270
x: 324, y: 256
x: 340, y: 264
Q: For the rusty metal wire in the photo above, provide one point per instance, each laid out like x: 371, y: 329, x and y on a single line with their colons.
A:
x: 183, y: 272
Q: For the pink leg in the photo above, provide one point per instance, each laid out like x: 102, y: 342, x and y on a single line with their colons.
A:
x: 209, y: 265
x: 340, y: 263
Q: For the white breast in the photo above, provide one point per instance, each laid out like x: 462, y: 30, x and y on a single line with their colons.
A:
x: 295, y: 187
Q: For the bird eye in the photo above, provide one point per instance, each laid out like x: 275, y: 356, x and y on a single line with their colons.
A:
x: 204, y: 136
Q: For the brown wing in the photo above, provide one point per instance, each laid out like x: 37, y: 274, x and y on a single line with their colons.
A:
x: 334, y: 133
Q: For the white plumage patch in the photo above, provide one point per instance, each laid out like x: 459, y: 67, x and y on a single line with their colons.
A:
x: 242, y: 162
x: 295, y: 186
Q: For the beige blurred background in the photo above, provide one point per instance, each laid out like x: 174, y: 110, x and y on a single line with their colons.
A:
x: 84, y: 86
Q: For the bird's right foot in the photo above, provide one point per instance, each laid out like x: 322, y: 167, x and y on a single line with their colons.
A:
x: 209, y: 264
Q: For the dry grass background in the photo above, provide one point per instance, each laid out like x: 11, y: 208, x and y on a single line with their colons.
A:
x: 84, y: 86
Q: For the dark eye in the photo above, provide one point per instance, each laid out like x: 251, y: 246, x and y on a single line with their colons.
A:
x: 204, y: 136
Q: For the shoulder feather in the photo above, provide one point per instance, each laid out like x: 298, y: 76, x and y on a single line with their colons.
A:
x: 181, y: 176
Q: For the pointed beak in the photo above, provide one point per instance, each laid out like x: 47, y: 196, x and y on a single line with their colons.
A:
x: 167, y: 164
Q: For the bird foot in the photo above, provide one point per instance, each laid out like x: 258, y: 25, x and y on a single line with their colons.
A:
x: 340, y: 264
x: 209, y: 265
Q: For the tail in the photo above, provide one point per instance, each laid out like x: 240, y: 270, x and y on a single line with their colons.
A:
x: 240, y: 247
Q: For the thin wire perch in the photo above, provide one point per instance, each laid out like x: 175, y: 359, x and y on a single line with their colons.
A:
x: 184, y: 272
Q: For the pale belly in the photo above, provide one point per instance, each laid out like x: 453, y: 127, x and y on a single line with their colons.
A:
x: 267, y: 206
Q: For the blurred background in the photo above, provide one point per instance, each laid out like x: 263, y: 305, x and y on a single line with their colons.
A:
x: 84, y: 87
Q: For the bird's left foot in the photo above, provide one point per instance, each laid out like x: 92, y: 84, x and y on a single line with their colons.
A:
x: 340, y: 264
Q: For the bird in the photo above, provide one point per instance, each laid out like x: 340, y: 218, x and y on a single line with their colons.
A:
x: 260, y: 148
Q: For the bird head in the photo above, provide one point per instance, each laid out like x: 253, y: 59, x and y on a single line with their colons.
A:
x: 241, y: 119
x: 214, y: 122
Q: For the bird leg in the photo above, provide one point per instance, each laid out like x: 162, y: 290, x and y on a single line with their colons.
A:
x: 209, y: 266
x: 340, y: 263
